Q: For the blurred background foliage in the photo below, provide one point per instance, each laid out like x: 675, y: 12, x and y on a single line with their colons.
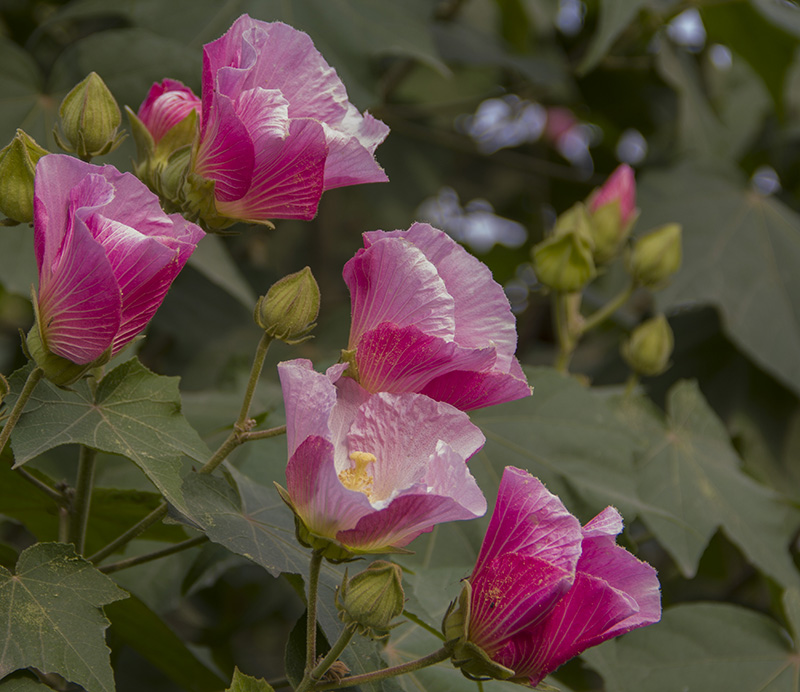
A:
x: 503, y: 113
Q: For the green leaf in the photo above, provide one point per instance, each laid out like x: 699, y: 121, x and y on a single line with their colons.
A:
x: 134, y: 413
x: 111, y: 512
x: 743, y: 28
x: 50, y: 612
x: 143, y: 630
x: 563, y: 434
x: 246, y: 683
x: 741, y: 253
x: 22, y: 101
x: 295, y: 655
x: 709, y: 647
x: 17, y: 261
x: 22, y: 682
x: 615, y: 16
x: 690, y: 484
x: 251, y: 520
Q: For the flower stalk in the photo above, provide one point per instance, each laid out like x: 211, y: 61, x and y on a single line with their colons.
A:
x: 81, y: 502
x: 311, y: 621
x: 307, y: 683
x: 27, y: 390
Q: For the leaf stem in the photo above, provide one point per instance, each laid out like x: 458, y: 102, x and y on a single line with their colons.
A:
x: 311, y: 621
x: 263, y: 434
x: 307, y: 683
x: 158, y: 513
x: 155, y: 555
x: 601, y: 315
x: 431, y: 659
x: 243, y: 424
x: 52, y: 493
x: 82, y: 500
x: 30, y: 384
x: 424, y: 625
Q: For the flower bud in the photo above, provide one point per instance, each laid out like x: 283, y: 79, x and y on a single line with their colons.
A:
x: 372, y: 599
x: 575, y: 219
x: 649, y: 347
x: 17, y: 167
x: 656, y: 256
x: 89, y: 119
x: 290, y: 307
x: 564, y: 262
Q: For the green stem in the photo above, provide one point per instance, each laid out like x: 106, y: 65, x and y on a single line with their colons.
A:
x: 601, y: 315
x: 241, y: 428
x: 566, y: 343
x: 307, y: 683
x: 52, y: 493
x: 30, y: 384
x: 424, y: 625
x: 255, y: 373
x: 436, y: 657
x: 155, y: 555
x: 311, y: 621
x: 263, y: 434
x: 630, y: 385
x: 82, y: 499
x: 63, y: 524
x: 158, y: 513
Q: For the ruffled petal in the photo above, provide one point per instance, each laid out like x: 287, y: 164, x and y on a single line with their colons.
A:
x: 317, y: 494
x: 482, y: 311
x: 309, y: 398
x: 403, y: 359
x: 530, y: 521
x: 394, y: 282
x: 472, y: 390
x: 404, y: 432
x: 351, y: 149
x: 586, y: 616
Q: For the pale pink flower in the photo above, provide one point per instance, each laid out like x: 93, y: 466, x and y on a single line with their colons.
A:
x: 276, y: 128
x: 544, y: 589
x: 620, y: 188
x: 373, y: 471
x: 107, y: 255
x: 165, y: 106
x: 428, y: 317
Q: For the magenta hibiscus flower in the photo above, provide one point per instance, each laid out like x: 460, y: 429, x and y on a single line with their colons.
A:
x: 370, y: 472
x: 428, y: 317
x: 107, y: 255
x: 544, y: 589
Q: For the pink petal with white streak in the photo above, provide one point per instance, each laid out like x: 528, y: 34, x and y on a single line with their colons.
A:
x: 394, y: 282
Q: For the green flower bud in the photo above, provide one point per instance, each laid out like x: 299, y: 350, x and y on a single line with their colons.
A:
x: 473, y: 661
x: 17, y: 168
x: 89, y: 120
x: 609, y: 232
x: 372, y: 599
x: 575, y: 220
x: 564, y: 262
x: 656, y: 256
x: 290, y: 307
x: 649, y: 347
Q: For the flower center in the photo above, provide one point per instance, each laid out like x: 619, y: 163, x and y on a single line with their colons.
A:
x: 357, y: 477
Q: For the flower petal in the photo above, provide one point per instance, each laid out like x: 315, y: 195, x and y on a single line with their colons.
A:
x: 404, y: 432
x: 393, y: 281
x: 471, y: 390
x: 318, y: 495
x: 351, y: 148
x: 530, y: 521
x: 482, y: 311
x: 287, y: 181
x: 513, y: 592
x: 166, y: 105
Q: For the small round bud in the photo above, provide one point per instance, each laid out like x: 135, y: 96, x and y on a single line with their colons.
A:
x: 290, y: 308
x: 17, y: 168
x: 372, y: 599
x: 649, y: 347
x: 89, y: 119
x: 564, y: 262
x: 656, y: 256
